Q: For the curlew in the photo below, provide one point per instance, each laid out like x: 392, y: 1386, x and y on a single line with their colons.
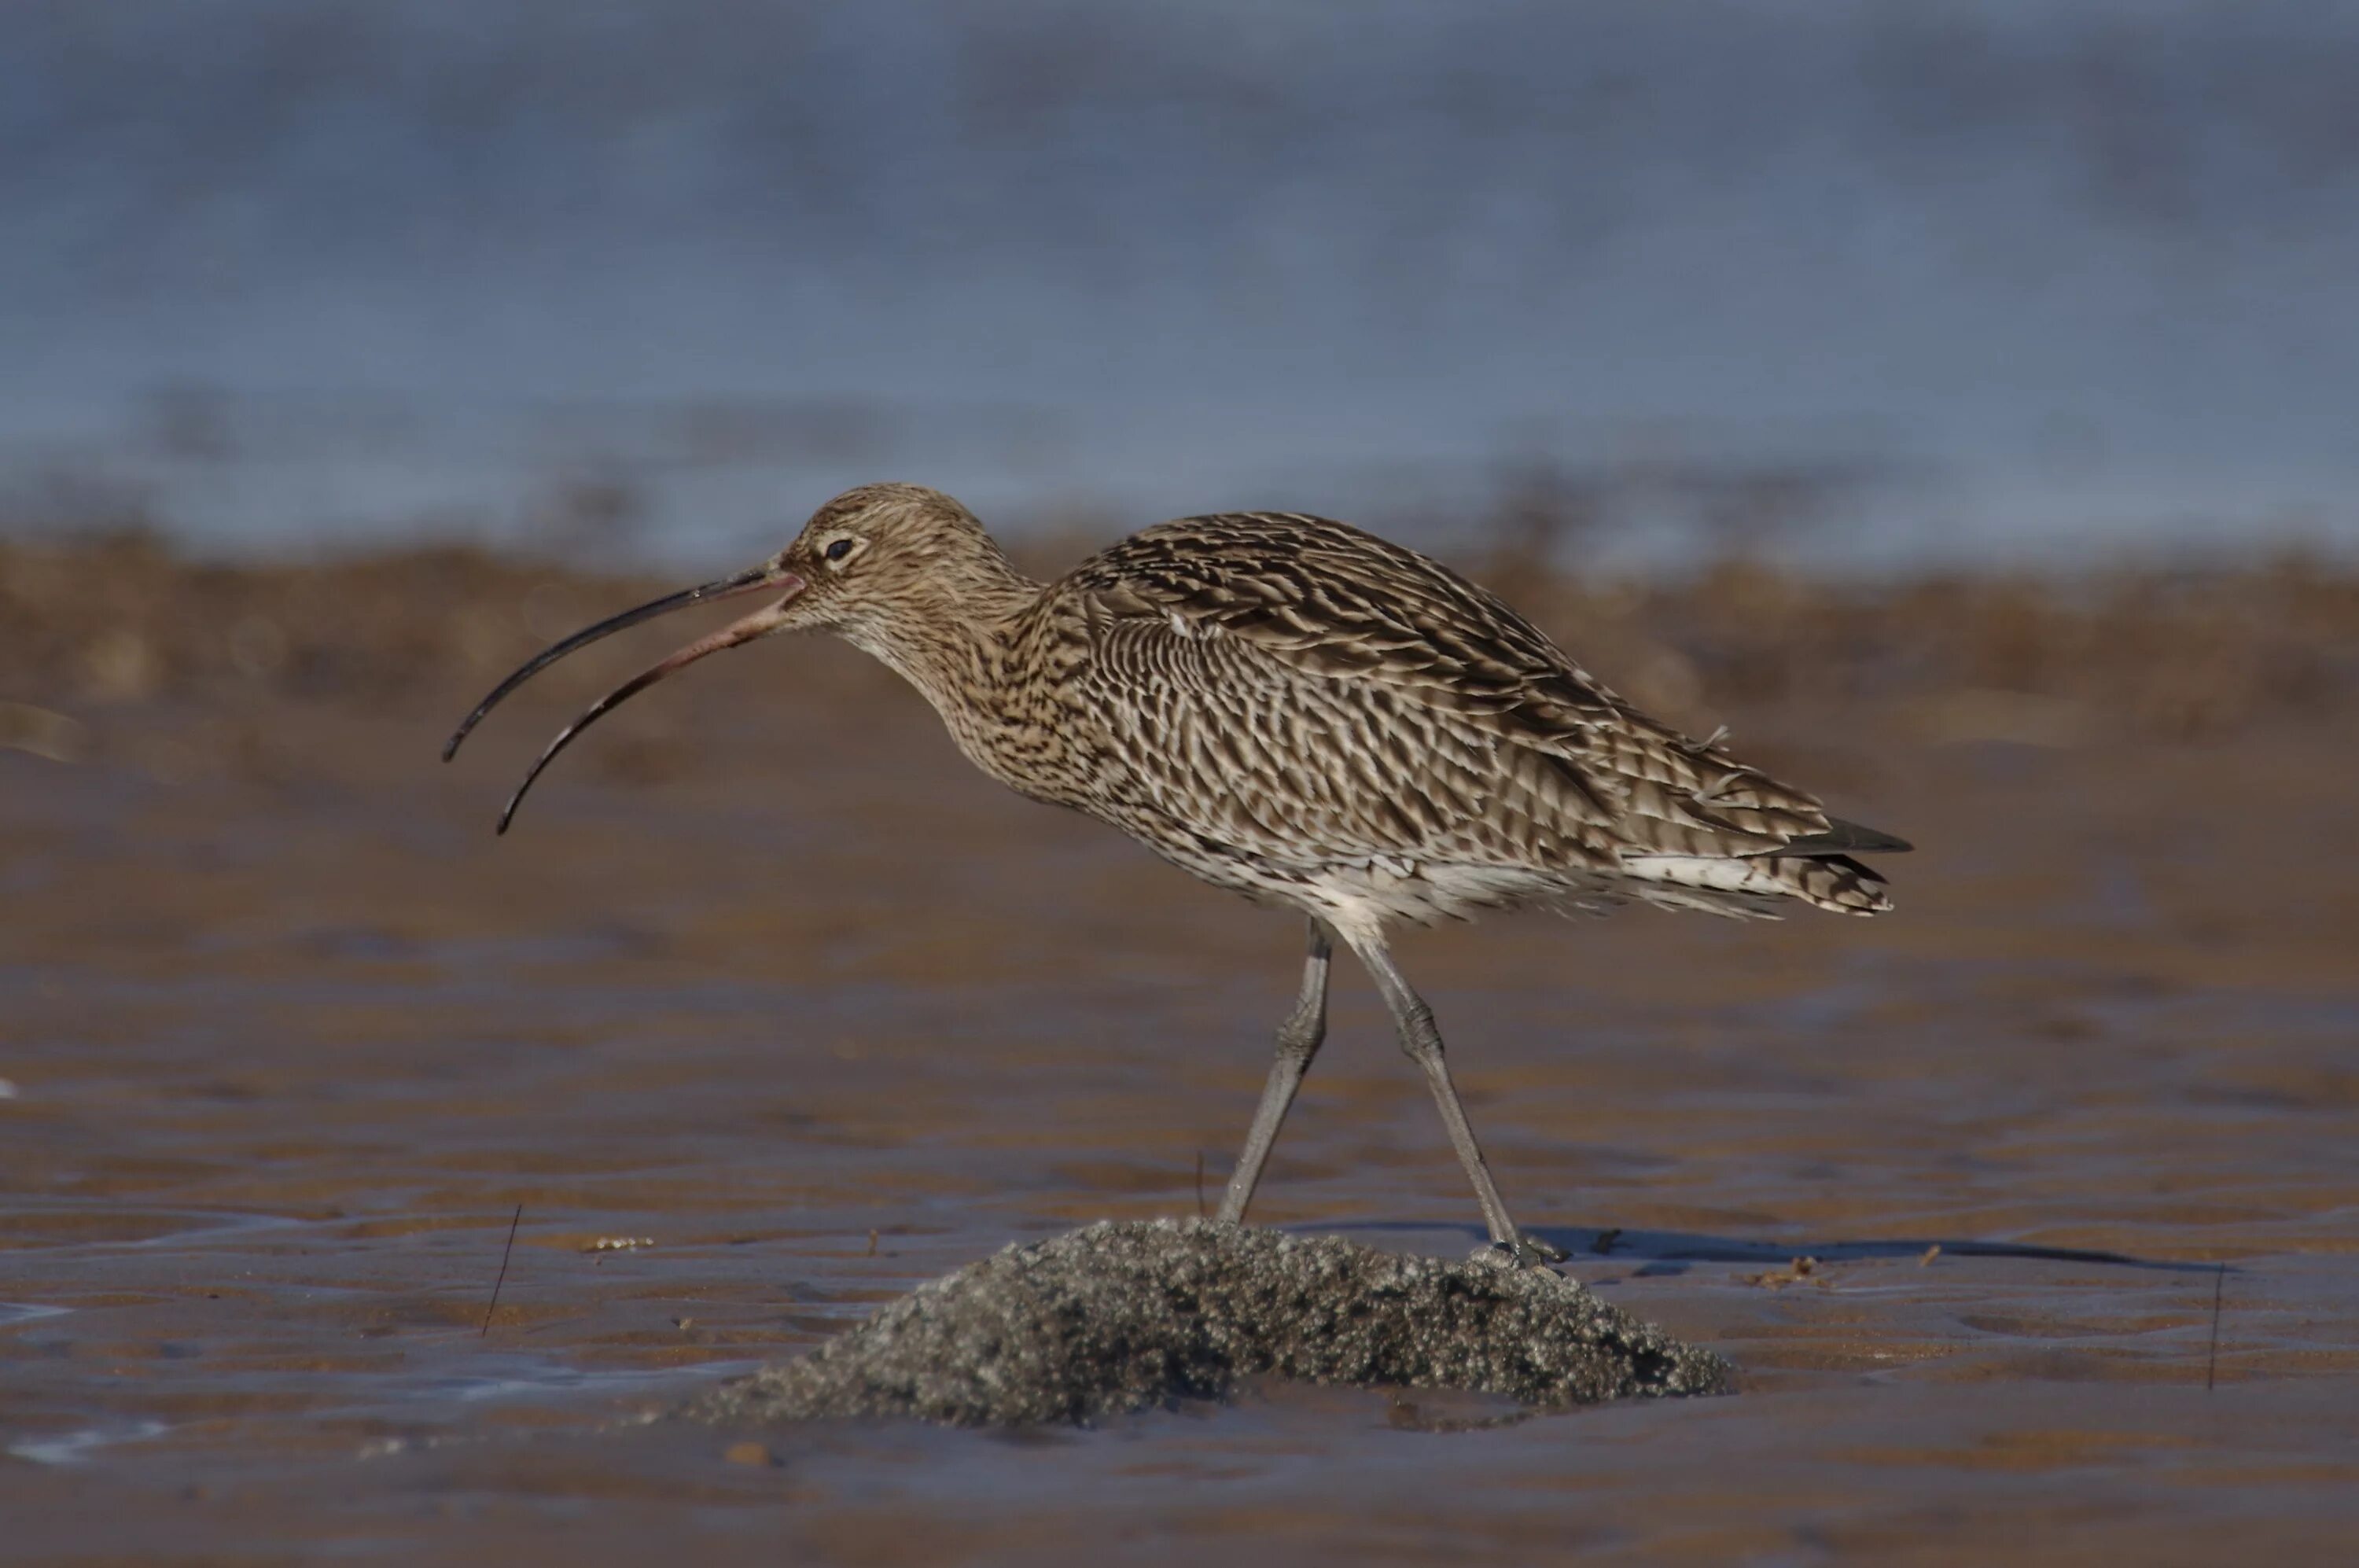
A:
x: 1299, y: 711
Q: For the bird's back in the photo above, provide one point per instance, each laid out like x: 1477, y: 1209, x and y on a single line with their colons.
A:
x: 1293, y: 707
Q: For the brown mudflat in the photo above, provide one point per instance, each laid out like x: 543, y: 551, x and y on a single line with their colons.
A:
x: 290, y: 1036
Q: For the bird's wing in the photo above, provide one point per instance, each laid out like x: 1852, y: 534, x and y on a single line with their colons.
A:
x: 1402, y: 640
x: 1289, y: 767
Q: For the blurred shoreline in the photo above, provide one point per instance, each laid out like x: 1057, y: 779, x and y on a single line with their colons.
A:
x: 674, y: 483
x: 126, y: 621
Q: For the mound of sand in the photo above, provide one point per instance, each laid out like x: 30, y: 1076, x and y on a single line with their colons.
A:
x: 1125, y: 1317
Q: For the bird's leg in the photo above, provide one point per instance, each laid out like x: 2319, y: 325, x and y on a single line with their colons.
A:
x: 1298, y: 1042
x: 1422, y: 1043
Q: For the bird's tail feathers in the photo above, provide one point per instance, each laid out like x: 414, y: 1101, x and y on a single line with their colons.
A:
x: 1843, y: 838
x: 1817, y: 877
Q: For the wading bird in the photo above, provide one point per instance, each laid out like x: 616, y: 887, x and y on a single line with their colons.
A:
x: 1299, y: 711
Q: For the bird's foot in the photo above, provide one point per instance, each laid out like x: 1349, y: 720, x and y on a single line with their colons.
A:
x: 1528, y: 1252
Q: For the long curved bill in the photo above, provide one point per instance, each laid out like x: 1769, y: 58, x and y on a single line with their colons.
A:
x: 751, y: 581
x: 761, y: 623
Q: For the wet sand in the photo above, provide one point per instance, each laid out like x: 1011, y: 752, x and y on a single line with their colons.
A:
x: 764, y: 971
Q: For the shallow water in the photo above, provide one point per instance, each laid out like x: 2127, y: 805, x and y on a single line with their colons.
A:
x: 766, y: 981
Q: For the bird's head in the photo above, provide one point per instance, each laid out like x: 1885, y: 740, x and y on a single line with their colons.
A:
x: 882, y: 553
x: 874, y: 555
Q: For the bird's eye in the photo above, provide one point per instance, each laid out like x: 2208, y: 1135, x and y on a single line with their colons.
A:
x: 839, y: 548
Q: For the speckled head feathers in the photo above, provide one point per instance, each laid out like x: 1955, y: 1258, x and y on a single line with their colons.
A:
x: 891, y: 551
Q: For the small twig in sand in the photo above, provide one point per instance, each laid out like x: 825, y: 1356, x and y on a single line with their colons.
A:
x: 1794, y: 1273
x: 2212, y: 1362
x: 872, y: 1241
x: 1200, y: 1183
x: 514, y: 1220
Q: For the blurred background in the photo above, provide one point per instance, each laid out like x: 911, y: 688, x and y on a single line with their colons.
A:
x: 1955, y: 400
x: 1882, y: 285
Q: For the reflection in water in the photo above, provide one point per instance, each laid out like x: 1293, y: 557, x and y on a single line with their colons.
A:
x: 523, y: 1379
x: 18, y: 1311
x: 74, y: 1447
x: 1678, y: 1246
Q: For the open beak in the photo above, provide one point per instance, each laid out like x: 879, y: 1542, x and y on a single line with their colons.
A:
x: 769, y: 577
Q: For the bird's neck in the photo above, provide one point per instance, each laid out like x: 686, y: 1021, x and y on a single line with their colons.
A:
x: 953, y: 639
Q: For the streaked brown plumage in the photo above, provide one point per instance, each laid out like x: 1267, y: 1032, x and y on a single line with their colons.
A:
x: 1301, y: 712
